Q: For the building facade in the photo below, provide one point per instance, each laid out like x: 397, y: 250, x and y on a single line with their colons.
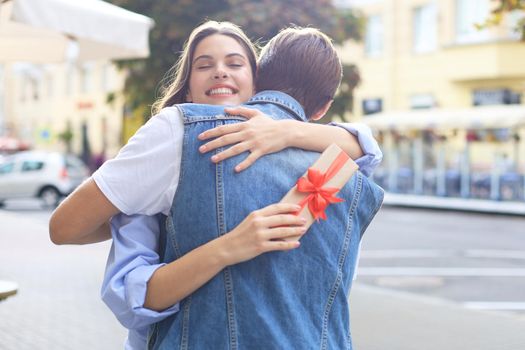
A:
x: 428, y: 53
x: 420, y: 55
x: 75, y: 107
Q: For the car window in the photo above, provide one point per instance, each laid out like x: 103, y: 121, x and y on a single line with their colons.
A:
x: 73, y: 162
x: 32, y: 165
x: 6, y: 168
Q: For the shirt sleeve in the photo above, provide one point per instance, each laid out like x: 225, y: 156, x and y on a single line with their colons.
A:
x: 132, y: 261
x: 372, y: 154
x: 143, y: 177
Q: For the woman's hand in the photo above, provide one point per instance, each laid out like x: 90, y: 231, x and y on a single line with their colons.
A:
x: 259, y: 135
x: 263, y: 231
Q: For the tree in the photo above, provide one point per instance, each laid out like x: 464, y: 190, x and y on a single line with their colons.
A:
x: 261, y: 19
x: 503, y: 7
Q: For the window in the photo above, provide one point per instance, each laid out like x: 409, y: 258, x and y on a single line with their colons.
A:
x: 372, y: 105
x: 49, y: 85
x: 31, y: 165
x: 512, y: 24
x: 424, y: 28
x: 74, y: 163
x: 374, y: 36
x: 105, y: 78
x: 468, y: 14
x: 70, y: 77
x: 6, y: 168
x: 483, y: 97
x: 422, y: 101
x: 85, y: 77
x: 35, y: 88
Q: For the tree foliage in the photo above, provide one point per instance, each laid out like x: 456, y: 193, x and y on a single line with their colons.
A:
x: 260, y: 19
x: 502, y: 8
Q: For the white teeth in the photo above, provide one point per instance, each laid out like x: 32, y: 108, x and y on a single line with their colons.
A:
x: 221, y: 91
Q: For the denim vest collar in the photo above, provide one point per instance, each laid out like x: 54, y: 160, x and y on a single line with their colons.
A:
x: 281, y: 99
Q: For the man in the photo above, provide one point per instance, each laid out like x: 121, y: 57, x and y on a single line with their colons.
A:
x: 292, y: 300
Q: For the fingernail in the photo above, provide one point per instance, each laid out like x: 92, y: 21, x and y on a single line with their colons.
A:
x: 238, y: 168
x: 214, y: 158
x: 297, y: 207
x: 202, y: 148
x: 303, y: 220
x: 201, y: 136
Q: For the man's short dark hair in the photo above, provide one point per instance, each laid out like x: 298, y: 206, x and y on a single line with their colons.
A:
x: 303, y: 63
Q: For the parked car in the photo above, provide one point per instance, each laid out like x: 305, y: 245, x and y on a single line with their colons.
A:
x: 45, y: 175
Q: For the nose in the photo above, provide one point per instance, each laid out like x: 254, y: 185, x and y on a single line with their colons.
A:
x: 220, y: 73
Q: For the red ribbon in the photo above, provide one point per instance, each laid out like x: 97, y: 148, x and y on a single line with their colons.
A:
x: 319, y: 197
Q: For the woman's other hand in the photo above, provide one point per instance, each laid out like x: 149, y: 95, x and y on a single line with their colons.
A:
x: 259, y: 135
x: 263, y: 231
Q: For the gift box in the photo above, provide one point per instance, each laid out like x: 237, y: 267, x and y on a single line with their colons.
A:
x: 317, y: 188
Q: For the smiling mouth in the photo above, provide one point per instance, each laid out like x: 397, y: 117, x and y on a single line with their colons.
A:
x: 221, y: 91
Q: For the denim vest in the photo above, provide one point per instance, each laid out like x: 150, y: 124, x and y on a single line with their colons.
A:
x: 278, y: 300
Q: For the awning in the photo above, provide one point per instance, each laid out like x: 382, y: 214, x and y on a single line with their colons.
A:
x: 483, y: 117
x: 46, y: 31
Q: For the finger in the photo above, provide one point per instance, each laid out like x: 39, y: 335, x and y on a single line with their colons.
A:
x: 242, y: 111
x: 281, y: 245
x: 245, y: 164
x: 221, y: 142
x: 279, y: 208
x: 221, y: 130
x: 283, y: 232
x: 284, y: 220
x: 231, y: 152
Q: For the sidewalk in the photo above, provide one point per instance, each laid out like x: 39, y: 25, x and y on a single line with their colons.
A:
x: 384, y: 319
x: 450, y: 203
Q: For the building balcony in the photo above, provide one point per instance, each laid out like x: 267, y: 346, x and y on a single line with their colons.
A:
x: 485, y: 61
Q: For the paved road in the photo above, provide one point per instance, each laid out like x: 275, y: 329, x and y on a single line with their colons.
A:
x: 58, y: 304
x: 477, y: 260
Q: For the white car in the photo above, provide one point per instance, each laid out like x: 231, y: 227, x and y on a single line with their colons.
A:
x: 45, y: 175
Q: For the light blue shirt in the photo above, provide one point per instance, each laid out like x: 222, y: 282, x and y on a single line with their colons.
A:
x: 132, y: 260
x: 133, y: 257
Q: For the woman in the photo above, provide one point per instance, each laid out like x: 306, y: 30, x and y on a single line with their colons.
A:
x: 217, y: 67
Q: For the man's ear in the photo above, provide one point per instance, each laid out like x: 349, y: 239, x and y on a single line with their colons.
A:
x: 320, y: 113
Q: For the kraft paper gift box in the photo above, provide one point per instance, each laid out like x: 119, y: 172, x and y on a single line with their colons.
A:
x: 317, y: 188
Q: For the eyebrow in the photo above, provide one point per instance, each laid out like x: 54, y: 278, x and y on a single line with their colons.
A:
x: 209, y: 57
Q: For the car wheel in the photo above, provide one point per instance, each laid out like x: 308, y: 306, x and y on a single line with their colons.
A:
x: 49, y: 196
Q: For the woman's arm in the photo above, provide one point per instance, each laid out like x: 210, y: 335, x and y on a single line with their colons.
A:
x: 137, y: 181
x: 262, y: 135
x: 261, y: 231
x: 132, y: 260
x: 82, y: 217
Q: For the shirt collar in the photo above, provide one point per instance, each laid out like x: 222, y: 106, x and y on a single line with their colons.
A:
x: 281, y: 99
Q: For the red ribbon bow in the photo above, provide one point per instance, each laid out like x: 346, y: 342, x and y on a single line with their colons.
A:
x: 320, y: 198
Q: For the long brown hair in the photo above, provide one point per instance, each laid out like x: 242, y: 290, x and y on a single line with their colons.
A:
x: 179, y: 75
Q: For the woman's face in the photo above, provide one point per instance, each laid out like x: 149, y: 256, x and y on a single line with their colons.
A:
x: 220, y: 72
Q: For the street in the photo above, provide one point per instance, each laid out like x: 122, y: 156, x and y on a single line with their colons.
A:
x: 471, y: 260
x: 58, y: 303
x: 477, y: 260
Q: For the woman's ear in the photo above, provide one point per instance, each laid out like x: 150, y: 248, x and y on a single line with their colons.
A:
x: 320, y: 113
x: 189, y: 98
